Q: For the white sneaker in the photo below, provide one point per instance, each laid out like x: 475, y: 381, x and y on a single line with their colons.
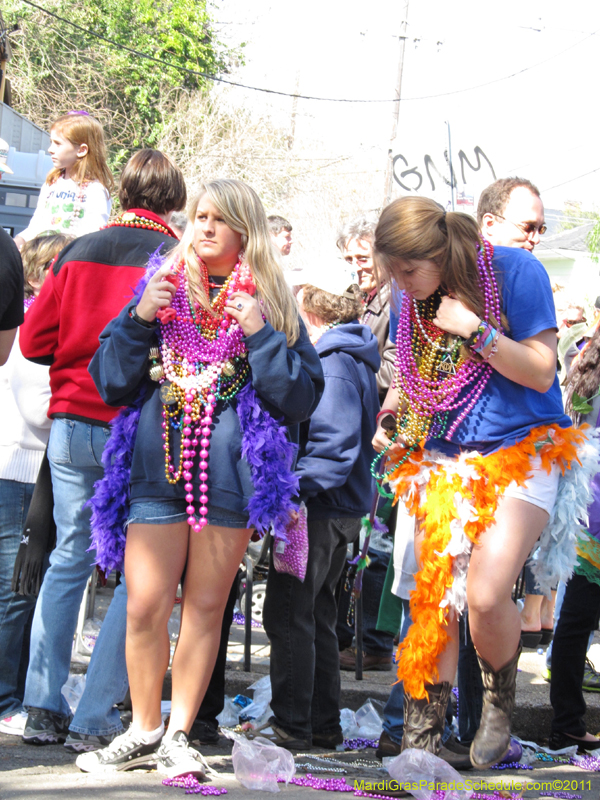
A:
x: 15, y: 724
x: 123, y: 753
x: 175, y: 757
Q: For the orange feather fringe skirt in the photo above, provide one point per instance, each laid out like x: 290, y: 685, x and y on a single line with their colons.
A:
x: 455, y: 499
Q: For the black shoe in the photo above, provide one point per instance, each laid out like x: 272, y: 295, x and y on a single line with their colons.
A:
x: 46, y: 727
x: 591, y: 678
x: 531, y: 639
x: 558, y: 741
x: 204, y: 733
x: 123, y: 753
x: 547, y: 636
x: 329, y: 741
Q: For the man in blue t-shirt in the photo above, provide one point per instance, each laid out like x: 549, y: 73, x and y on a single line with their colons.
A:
x: 510, y: 213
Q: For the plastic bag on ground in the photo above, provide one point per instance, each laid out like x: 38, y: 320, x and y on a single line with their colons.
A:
x: 259, y: 764
x: 260, y: 702
x: 73, y: 689
x: 350, y: 729
x: 422, y: 773
x: 230, y: 716
x: 90, y: 632
x: 369, y: 719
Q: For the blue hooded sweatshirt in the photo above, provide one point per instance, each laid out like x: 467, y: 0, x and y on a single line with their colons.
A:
x: 335, y: 444
x: 287, y: 379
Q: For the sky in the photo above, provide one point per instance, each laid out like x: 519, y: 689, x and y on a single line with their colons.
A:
x: 517, y: 78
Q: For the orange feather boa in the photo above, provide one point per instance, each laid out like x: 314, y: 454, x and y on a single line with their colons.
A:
x: 435, y: 509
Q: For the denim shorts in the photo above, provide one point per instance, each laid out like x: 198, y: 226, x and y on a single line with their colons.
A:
x: 168, y: 511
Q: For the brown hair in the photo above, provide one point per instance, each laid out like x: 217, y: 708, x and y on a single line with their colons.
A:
x: 152, y: 181
x: 495, y: 197
x: 83, y: 129
x: 332, y: 307
x: 584, y: 377
x: 38, y: 253
x: 416, y: 228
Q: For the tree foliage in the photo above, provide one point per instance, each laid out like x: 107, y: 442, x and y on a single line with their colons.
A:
x: 574, y: 215
x: 593, y: 241
x: 56, y: 67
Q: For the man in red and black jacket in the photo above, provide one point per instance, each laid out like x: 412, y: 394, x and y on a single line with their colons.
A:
x: 89, y: 283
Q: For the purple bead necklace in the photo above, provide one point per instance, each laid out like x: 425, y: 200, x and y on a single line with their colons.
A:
x: 429, y: 391
x: 204, y: 361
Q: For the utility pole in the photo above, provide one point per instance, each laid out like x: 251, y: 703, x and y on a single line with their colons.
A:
x: 452, y: 181
x: 292, y: 135
x: 389, y: 175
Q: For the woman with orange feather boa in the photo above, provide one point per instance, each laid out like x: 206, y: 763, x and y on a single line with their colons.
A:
x: 482, y: 455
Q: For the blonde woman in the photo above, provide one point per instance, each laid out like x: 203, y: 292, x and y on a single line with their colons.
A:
x: 215, y: 361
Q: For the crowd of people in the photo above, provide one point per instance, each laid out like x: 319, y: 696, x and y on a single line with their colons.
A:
x: 172, y: 388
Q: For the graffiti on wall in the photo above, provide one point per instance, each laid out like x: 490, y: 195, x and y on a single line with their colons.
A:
x: 411, y: 178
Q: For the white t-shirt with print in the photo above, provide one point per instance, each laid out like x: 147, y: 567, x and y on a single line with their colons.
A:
x: 63, y: 208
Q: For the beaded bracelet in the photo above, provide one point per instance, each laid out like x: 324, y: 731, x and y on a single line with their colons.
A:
x: 494, y: 349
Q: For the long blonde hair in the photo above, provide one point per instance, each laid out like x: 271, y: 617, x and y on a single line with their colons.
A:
x: 243, y: 212
x: 83, y: 129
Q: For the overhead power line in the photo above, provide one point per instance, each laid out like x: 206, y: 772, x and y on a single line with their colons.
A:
x: 564, y: 183
x: 218, y: 79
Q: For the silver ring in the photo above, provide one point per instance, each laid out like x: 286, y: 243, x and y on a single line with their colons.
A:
x: 239, y: 306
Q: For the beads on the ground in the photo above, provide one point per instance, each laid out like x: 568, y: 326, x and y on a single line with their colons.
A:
x: 192, y: 785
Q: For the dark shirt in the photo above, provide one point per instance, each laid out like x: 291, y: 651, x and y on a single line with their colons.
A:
x: 11, y: 284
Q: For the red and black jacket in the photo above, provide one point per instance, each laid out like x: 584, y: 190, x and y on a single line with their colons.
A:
x: 88, y: 285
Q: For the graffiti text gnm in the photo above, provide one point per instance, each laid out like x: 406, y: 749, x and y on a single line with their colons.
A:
x: 413, y: 175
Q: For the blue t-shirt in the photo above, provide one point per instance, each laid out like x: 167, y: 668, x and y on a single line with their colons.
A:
x: 506, y: 411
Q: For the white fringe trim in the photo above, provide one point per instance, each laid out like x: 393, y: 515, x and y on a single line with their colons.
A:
x: 556, y: 554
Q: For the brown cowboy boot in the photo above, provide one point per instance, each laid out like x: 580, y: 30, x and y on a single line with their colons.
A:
x: 492, y: 740
x: 424, y: 725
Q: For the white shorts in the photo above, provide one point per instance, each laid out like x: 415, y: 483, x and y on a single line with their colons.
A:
x: 540, y: 490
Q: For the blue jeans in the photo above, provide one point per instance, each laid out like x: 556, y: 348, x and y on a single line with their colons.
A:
x: 75, y: 454
x: 106, y: 679
x: 299, y: 620
x: 393, y: 722
x: 375, y: 643
x: 15, y: 609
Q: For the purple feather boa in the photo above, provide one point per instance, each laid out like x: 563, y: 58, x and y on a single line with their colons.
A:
x: 155, y: 262
x: 270, y: 454
x: 110, y: 503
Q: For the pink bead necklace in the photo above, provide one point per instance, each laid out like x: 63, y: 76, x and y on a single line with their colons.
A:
x: 433, y: 379
x: 204, y: 360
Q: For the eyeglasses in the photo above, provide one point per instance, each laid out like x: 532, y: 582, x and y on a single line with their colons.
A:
x: 528, y: 228
x: 360, y: 260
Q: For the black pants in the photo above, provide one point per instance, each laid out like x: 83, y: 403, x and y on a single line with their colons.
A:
x: 300, y: 621
x: 578, y: 618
